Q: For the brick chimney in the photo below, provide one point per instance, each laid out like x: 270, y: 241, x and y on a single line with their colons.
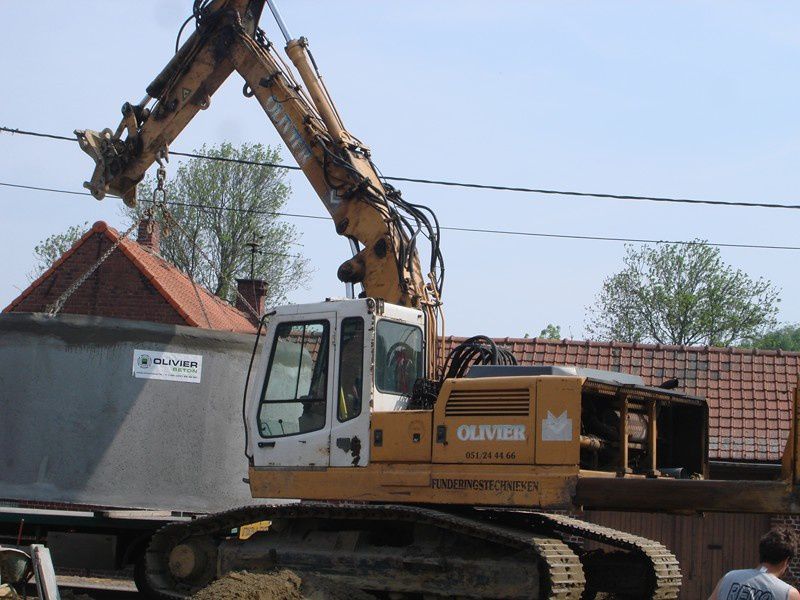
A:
x: 255, y: 292
x: 149, y: 234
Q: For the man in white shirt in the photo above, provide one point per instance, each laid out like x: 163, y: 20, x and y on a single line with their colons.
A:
x: 775, y: 550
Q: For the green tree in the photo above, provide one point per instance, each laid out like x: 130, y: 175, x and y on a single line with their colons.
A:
x: 222, y: 207
x: 551, y: 332
x: 783, y: 338
x: 50, y: 249
x: 681, y: 294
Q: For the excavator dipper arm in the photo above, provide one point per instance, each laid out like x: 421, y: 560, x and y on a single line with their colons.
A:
x: 364, y: 209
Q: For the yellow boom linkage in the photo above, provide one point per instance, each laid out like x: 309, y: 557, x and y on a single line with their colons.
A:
x: 338, y: 166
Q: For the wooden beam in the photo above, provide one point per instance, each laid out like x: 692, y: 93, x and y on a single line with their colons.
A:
x: 795, y: 445
x: 791, y: 452
x: 652, y: 438
x: 686, y: 495
x: 624, y: 469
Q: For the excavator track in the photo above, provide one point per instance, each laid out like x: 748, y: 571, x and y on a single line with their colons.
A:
x: 662, y: 567
x: 559, y: 568
x: 660, y: 571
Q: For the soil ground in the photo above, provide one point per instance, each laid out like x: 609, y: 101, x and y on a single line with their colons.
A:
x: 278, y: 585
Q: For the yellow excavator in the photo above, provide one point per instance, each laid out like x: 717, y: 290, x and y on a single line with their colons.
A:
x: 421, y: 472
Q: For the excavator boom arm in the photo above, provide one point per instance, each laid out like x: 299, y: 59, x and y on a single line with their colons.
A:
x: 383, y: 227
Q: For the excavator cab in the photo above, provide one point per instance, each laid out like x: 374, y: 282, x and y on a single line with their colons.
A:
x: 323, y: 368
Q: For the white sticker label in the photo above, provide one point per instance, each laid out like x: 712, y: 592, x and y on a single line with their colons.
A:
x: 557, y: 429
x: 148, y: 364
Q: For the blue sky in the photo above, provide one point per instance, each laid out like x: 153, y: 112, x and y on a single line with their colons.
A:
x: 669, y: 98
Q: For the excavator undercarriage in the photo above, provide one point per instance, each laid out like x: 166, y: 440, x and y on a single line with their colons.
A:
x: 416, y: 551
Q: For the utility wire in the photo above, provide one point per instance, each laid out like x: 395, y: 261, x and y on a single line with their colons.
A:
x: 59, y: 191
x: 45, y: 189
x: 461, y: 184
x: 52, y: 136
x: 254, y: 211
x: 596, y: 238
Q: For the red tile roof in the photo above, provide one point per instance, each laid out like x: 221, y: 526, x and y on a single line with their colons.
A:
x: 197, y: 306
x: 749, y: 392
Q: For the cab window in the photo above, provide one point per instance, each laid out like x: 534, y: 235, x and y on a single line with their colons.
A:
x: 293, y: 398
x: 398, y: 356
x: 351, y: 369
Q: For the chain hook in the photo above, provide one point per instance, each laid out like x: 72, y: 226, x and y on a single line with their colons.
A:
x: 162, y: 157
x: 162, y: 201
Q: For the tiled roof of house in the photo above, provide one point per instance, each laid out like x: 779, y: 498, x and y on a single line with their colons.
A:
x: 196, y: 305
x: 748, y: 391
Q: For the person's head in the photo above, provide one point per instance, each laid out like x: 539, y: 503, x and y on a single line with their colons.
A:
x: 777, y: 548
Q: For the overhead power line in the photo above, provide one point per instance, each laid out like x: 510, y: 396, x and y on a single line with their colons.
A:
x: 60, y: 191
x: 596, y: 238
x: 461, y: 184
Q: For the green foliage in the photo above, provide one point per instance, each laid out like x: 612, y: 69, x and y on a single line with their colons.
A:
x: 200, y: 195
x: 50, y: 249
x: 783, y: 338
x: 551, y: 332
x: 681, y: 294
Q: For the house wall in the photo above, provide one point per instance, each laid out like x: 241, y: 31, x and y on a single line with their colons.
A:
x: 77, y: 427
x: 116, y: 289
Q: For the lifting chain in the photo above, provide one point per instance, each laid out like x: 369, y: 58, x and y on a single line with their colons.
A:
x: 161, y: 177
x: 170, y: 221
x: 159, y: 202
x: 54, y: 308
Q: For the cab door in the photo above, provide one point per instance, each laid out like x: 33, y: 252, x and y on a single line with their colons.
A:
x: 350, y: 410
x: 293, y: 408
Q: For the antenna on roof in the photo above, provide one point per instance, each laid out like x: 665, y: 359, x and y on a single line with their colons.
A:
x: 255, y: 248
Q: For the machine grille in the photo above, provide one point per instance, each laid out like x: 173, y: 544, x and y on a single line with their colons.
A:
x: 488, y: 403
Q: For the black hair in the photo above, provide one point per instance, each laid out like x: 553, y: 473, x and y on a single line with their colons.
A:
x: 776, y: 546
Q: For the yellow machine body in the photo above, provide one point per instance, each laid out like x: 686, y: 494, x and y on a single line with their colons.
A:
x: 482, y: 444
x: 519, y: 441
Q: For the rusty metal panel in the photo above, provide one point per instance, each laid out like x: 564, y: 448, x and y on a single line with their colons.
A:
x: 706, y: 546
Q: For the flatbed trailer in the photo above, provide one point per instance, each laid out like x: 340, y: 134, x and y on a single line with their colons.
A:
x: 87, y: 540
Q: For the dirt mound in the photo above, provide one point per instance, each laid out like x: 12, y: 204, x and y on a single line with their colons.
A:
x: 281, y: 585
x: 278, y: 585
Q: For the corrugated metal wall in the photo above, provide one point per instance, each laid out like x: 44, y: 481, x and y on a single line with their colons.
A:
x: 707, y: 546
